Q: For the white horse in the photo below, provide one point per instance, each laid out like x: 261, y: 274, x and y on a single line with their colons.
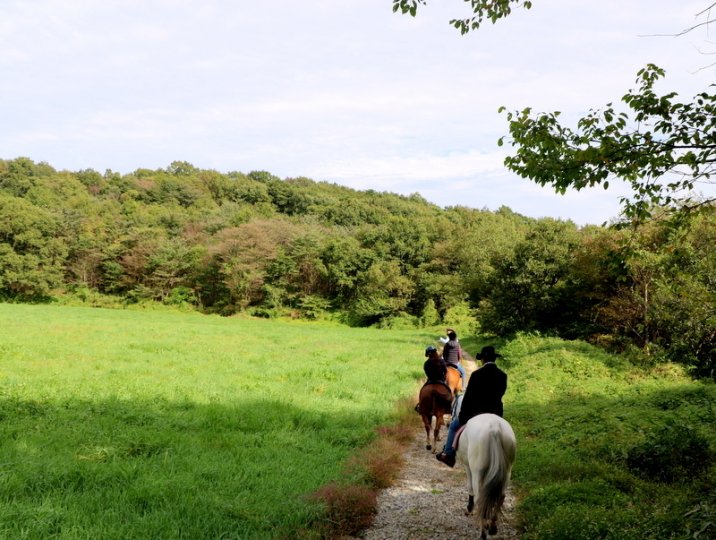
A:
x: 487, y: 451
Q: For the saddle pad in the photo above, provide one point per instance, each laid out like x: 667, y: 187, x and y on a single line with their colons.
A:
x: 457, y: 436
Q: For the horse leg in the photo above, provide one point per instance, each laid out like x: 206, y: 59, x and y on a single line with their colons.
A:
x: 470, y: 490
x: 426, y: 424
x: 436, y: 433
x: 470, y: 504
x: 492, y: 529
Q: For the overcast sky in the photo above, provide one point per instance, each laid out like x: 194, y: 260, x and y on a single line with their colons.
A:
x: 337, y: 90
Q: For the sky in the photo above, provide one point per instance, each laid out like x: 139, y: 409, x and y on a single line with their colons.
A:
x: 343, y: 91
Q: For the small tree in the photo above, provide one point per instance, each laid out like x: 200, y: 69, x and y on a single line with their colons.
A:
x: 430, y: 315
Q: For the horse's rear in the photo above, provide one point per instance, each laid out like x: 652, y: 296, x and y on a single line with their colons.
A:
x: 435, y: 400
x: 487, y: 450
x: 454, y: 380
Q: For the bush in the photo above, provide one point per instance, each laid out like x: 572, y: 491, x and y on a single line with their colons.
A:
x: 669, y: 454
x: 462, y: 316
x: 313, y: 307
x: 350, y: 508
x: 181, y: 297
x: 430, y: 315
x: 401, y: 321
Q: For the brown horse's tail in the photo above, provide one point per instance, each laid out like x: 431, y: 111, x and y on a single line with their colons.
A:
x: 443, y: 397
x: 435, y: 397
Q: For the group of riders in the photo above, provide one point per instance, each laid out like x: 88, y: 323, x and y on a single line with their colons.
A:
x: 483, y: 393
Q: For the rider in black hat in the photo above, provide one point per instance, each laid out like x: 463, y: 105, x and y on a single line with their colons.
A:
x: 484, y: 394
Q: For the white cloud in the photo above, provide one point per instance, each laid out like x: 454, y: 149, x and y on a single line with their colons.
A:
x: 339, y: 91
x: 398, y: 171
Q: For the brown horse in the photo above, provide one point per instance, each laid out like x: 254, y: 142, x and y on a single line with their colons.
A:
x: 435, y: 400
x: 454, y: 381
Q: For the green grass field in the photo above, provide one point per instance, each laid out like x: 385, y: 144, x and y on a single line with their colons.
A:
x: 577, y: 412
x: 129, y: 424
x: 132, y: 424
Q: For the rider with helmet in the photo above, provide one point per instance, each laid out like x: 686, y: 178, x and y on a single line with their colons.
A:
x: 435, y: 370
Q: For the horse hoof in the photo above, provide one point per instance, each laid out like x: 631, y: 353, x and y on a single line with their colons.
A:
x: 492, y: 530
x: 428, y: 447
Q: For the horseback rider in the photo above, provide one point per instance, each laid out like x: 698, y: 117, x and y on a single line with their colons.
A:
x: 435, y: 367
x: 452, y: 353
x: 484, y: 394
x: 435, y: 370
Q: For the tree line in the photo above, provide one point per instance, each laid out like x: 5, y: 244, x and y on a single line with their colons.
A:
x: 255, y: 243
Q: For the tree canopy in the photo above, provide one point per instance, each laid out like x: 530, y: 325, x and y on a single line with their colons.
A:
x: 254, y: 243
x: 663, y: 148
x: 482, y: 10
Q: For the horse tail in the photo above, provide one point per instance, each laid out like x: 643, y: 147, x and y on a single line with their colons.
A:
x: 493, y: 478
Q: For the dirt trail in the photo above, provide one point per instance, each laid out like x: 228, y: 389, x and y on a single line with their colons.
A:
x: 428, y: 500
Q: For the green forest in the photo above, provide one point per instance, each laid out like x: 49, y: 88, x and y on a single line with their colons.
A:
x: 253, y: 243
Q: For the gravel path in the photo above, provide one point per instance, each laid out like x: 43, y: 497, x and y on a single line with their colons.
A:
x: 429, y: 499
x: 428, y: 502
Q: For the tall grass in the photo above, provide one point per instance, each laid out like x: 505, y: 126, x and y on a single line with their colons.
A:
x: 122, y: 424
x: 577, y: 412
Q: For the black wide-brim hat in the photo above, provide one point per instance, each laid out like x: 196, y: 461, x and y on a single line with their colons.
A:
x: 487, y: 353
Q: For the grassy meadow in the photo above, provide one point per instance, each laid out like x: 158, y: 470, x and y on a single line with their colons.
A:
x: 131, y: 424
x: 577, y: 413
x: 120, y: 424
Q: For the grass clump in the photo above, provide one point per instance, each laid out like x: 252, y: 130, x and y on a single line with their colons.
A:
x: 349, y: 508
x: 670, y: 453
x: 351, y: 503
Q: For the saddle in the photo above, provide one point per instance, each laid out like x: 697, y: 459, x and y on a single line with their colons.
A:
x: 440, y: 382
x: 456, y: 440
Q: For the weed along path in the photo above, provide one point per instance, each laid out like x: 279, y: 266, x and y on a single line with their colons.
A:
x: 428, y: 500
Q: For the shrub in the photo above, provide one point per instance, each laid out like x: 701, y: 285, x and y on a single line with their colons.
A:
x: 181, y: 296
x: 350, y: 508
x: 313, y: 307
x: 401, y: 321
x: 430, y: 315
x: 670, y: 453
x: 462, y: 316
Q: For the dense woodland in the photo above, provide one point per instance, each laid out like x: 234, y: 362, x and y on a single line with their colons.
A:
x: 229, y: 243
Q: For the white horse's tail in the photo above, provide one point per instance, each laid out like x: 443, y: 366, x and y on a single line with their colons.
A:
x: 493, y: 478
